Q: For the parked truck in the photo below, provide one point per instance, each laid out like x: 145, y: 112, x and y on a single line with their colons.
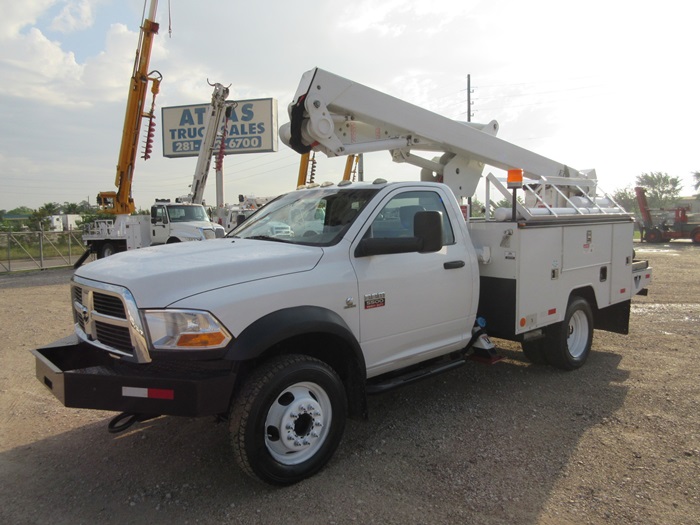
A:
x: 682, y: 226
x: 336, y: 291
x: 167, y: 223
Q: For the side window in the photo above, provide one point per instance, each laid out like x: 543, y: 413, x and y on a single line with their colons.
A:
x: 160, y: 215
x: 396, y: 218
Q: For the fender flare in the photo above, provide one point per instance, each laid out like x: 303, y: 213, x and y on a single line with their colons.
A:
x: 280, y: 325
x: 288, y: 323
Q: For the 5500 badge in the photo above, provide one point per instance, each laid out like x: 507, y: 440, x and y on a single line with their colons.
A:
x: 375, y: 300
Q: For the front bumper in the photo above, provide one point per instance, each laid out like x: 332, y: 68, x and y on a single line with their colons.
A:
x: 81, y: 376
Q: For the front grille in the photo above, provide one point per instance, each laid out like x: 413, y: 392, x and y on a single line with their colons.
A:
x: 77, y: 296
x: 108, y: 305
x: 107, y: 316
x: 209, y: 234
x: 115, y: 336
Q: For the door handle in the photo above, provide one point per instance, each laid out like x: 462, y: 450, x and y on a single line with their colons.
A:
x: 452, y: 265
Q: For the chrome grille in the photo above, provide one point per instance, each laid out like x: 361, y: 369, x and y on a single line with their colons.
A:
x: 114, y: 336
x: 77, y: 296
x: 108, y: 305
x: 208, y: 234
x: 106, y: 316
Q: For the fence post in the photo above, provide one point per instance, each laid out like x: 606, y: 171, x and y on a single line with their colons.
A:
x: 9, y: 252
x: 41, y: 246
x: 70, y: 250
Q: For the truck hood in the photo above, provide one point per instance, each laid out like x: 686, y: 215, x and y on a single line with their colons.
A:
x: 161, y: 275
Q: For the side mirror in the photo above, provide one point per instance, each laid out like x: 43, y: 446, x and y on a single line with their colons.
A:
x: 427, y: 229
x: 427, y: 226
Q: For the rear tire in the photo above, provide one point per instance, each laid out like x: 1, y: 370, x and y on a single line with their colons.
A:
x: 695, y: 236
x: 535, y: 351
x: 288, y: 419
x: 569, y: 342
x: 106, y: 250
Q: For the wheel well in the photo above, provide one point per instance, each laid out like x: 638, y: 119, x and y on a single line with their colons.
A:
x: 588, y: 294
x: 332, y: 350
x: 172, y: 240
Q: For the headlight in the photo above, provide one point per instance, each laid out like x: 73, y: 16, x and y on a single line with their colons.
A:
x: 185, y: 330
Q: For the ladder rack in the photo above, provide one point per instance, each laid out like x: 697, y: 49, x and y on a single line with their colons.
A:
x: 556, y: 197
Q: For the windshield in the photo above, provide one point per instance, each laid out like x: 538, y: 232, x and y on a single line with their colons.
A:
x: 314, y: 217
x: 187, y: 213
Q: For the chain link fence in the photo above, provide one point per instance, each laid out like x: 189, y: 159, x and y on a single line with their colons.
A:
x: 20, y: 251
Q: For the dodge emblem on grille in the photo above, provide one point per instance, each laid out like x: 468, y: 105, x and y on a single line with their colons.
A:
x: 84, y: 313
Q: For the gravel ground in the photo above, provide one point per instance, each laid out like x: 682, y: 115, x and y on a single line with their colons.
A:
x: 617, y: 441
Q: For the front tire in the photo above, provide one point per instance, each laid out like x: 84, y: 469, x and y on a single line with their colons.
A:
x: 288, y: 419
x: 654, y: 236
x: 569, y: 342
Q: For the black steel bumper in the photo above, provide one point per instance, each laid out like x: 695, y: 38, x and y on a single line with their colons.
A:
x: 81, y: 376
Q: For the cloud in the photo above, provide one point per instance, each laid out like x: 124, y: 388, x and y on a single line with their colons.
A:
x: 17, y: 15
x: 75, y: 15
x: 33, y: 67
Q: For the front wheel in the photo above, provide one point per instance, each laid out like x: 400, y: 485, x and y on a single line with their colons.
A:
x: 654, y: 236
x: 569, y: 342
x: 288, y: 419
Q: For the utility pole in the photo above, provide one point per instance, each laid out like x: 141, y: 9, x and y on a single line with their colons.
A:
x: 469, y: 98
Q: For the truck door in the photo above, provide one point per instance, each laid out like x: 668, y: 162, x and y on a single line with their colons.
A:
x: 159, y: 225
x: 413, y: 304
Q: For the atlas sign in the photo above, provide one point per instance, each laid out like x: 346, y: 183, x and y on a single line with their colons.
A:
x: 251, y: 128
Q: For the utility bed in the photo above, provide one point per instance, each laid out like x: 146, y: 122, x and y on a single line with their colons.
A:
x: 529, y: 269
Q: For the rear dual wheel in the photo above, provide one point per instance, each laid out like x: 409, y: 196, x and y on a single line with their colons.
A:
x: 695, y: 236
x: 565, y: 345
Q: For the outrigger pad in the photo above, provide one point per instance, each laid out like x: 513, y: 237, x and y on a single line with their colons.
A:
x: 486, y: 356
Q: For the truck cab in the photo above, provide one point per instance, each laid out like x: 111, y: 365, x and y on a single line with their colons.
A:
x: 174, y: 222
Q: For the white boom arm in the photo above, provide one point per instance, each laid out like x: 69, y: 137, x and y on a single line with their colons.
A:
x: 336, y: 116
x: 216, y: 112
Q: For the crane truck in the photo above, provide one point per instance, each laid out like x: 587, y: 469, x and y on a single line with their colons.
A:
x: 333, y: 292
x: 683, y: 225
x: 168, y: 222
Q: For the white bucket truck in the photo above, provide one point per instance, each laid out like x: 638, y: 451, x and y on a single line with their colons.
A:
x: 332, y: 292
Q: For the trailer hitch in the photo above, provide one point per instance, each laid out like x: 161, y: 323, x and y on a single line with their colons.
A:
x: 126, y: 419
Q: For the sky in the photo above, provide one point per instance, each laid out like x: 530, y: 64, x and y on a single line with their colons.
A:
x: 604, y: 84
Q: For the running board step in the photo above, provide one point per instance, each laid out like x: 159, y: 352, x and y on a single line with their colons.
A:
x: 393, y: 382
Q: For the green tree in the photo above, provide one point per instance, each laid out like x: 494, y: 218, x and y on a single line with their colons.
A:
x: 39, y: 218
x: 662, y: 190
x: 22, y: 210
x: 71, y: 207
x: 696, y: 185
x: 627, y: 198
x: 50, y: 208
x: 477, y: 208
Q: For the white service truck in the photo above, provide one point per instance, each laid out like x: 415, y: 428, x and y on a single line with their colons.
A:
x: 168, y: 222
x: 336, y: 291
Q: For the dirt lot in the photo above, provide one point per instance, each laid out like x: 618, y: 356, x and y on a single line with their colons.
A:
x: 617, y: 441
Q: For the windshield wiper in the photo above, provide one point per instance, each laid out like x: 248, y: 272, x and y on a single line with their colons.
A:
x: 265, y: 238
